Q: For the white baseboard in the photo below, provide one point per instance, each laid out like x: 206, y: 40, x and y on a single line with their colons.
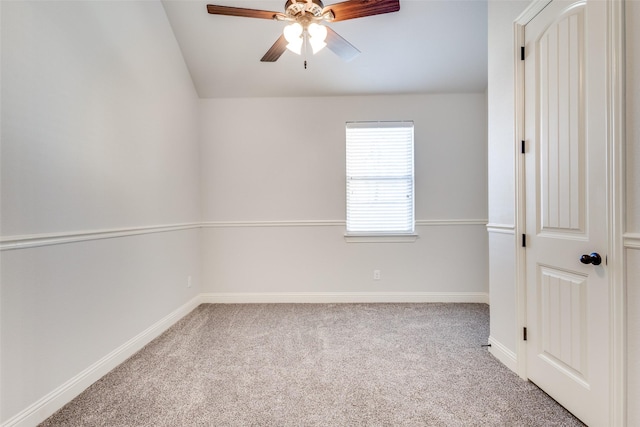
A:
x: 503, y: 354
x: 344, y: 297
x: 49, y: 404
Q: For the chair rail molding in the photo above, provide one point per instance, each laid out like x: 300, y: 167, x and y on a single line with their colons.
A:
x: 632, y: 240
x: 58, y: 238
x: 501, y: 228
x: 332, y: 223
x: 48, y: 239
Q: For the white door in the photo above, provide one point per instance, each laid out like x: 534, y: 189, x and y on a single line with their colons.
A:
x: 568, y: 332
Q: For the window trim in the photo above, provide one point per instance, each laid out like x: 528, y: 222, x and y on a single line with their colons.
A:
x: 381, y: 238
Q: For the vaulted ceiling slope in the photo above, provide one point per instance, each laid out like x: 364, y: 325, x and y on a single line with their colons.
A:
x: 429, y: 46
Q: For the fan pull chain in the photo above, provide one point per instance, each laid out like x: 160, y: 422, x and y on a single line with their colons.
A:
x: 304, y: 47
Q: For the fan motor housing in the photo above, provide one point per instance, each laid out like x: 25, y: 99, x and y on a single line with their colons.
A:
x: 294, y: 8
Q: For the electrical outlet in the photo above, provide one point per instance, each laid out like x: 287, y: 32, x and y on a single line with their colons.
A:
x: 188, y: 281
x: 376, y: 274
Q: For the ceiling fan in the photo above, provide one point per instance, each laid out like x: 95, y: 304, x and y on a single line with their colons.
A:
x: 306, y: 17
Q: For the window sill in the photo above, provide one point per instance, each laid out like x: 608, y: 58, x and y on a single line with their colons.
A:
x: 380, y: 238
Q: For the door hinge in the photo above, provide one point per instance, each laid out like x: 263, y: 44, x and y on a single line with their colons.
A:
x: 524, y: 333
x: 523, y: 147
x: 522, y: 53
x: 524, y: 240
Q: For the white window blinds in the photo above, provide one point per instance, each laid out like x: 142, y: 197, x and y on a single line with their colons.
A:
x: 380, y: 178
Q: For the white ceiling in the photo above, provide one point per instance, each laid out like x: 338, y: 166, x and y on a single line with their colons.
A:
x: 429, y: 46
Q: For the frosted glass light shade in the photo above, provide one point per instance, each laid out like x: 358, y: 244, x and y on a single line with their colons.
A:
x: 295, y: 47
x: 293, y: 35
x: 292, y: 32
x: 318, y: 35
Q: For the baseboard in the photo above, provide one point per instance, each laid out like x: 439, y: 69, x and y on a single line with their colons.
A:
x: 49, y: 404
x: 503, y: 354
x: 344, y: 297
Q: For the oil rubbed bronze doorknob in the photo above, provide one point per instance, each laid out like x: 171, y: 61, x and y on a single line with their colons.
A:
x: 593, y: 258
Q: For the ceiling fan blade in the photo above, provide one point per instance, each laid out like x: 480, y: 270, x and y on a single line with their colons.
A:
x: 352, y: 9
x: 340, y: 46
x: 276, y: 50
x: 240, y: 11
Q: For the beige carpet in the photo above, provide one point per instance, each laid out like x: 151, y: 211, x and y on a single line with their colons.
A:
x: 317, y: 365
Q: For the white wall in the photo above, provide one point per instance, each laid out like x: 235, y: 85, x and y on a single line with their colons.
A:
x: 633, y: 209
x: 99, y: 133
x: 501, y: 154
x: 271, y: 160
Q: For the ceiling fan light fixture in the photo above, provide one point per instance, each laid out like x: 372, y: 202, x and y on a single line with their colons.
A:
x: 293, y: 35
x: 305, y: 16
x: 318, y: 34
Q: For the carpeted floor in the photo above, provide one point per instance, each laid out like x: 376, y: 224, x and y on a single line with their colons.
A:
x: 317, y: 365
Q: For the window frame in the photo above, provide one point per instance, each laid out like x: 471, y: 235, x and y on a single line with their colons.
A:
x: 381, y: 235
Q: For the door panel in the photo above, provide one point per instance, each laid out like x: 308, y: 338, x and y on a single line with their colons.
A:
x: 563, y: 331
x: 561, y: 62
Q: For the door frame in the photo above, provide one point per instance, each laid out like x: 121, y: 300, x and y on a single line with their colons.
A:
x: 615, y: 131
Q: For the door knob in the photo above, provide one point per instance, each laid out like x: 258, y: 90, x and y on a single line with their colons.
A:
x: 593, y: 258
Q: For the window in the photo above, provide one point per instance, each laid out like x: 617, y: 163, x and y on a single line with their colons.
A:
x: 380, y: 178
